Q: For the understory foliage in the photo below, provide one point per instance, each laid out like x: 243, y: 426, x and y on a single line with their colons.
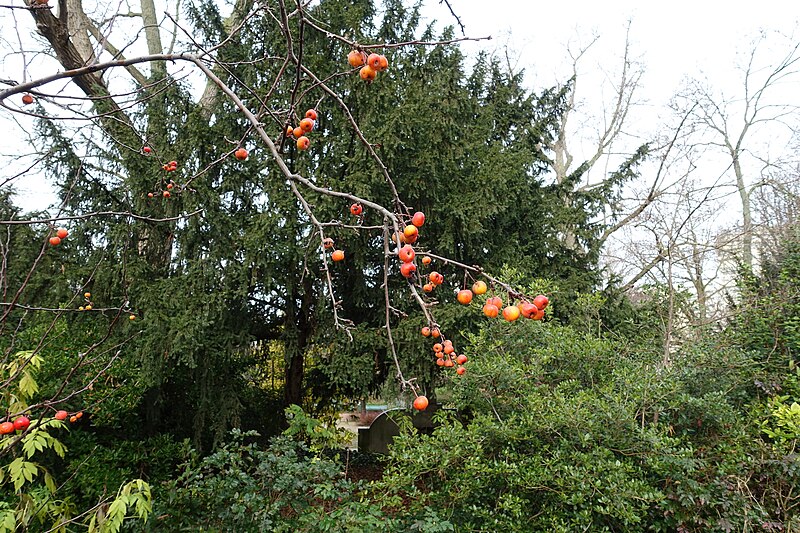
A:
x: 568, y: 432
x: 552, y: 429
x: 562, y: 429
x: 30, y: 497
x: 241, y: 487
x: 555, y: 428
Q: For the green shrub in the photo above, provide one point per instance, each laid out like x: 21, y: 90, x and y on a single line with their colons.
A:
x: 570, y: 432
x: 283, y: 487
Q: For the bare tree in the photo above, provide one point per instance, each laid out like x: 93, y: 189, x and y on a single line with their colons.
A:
x: 679, y: 243
x: 687, y: 241
x: 609, y: 133
x: 734, y: 123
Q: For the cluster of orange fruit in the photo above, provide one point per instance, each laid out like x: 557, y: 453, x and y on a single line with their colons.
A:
x: 445, y: 352
x: 434, y: 278
x: 170, y: 166
x: 20, y: 423
x: 370, y: 64
x: 88, y: 297
x: 62, y: 415
x: 61, y: 233
x: 410, y: 232
x: 336, y: 255
x: 165, y: 193
x: 305, y: 126
x: 491, y: 308
x: 408, y: 237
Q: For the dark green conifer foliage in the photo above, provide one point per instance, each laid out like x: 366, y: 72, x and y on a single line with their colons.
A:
x: 462, y: 143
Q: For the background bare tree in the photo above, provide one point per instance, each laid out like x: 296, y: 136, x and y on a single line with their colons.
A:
x: 734, y: 120
x: 603, y: 139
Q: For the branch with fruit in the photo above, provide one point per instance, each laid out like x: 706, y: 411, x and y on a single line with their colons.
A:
x: 400, y: 228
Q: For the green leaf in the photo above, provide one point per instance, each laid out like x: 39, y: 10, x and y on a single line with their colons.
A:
x: 27, y: 385
x: 59, y: 448
x: 49, y: 482
x: 8, y: 523
x: 21, y: 471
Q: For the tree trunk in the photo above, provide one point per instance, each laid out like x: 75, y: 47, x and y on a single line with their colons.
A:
x: 747, y: 218
x: 153, y: 37
x: 297, y: 332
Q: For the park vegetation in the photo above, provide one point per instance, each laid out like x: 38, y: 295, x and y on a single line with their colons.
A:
x: 292, y: 207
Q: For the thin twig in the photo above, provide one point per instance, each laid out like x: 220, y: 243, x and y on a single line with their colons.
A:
x: 97, y: 214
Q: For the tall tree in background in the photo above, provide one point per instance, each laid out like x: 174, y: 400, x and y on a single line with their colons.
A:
x: 232, y: 255
x: 734, y: 124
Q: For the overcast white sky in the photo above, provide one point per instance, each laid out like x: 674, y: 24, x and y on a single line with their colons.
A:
x: 703, y: 39
x: 699, y: 39
x: 674, y: 38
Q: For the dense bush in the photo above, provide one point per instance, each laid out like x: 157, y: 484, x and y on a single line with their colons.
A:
x: 570, y: 432
x: 244, y: 487
x: 559, y: 431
